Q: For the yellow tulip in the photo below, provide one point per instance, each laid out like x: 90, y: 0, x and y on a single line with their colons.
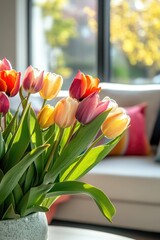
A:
x: 115, y: 123
x: 65, y: 111
x: 52, y: 84
x: 46, y: 116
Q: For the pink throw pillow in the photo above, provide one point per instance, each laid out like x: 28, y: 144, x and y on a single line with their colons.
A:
x: 135, y: 140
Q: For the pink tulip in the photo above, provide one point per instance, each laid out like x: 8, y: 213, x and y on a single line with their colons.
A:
x: 4, y: 103
x: 90, y: 108
x: 33, y: 80
x: 5, y: 64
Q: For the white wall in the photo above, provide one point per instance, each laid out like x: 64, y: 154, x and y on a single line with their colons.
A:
x: 7, y: 30
x: 13, y: 40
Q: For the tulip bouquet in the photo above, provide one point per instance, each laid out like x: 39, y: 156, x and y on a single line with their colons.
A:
x: 44, y: 153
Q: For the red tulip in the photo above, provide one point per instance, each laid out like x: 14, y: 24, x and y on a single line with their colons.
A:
x: 90, y: 108
x: 5, y: 64
x: 10, y: 82
x: 4, y: 103
x: 83, y: 85
x: 33, y: 80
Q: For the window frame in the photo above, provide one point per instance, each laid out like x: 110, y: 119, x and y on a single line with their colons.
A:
x: 103, y: 38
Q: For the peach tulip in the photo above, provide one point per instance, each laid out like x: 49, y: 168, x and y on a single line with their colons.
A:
x: 116, y: 123
x: 65, y: 111
x: 52, y: 84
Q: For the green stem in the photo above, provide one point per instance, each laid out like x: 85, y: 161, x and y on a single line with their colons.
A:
x: 44, y: 102
x: 1, y: 122
x: 70, y: 134
x: 54, y: 149
x: 27, y: 99
x: 5, y: 120
x: 81, y: 159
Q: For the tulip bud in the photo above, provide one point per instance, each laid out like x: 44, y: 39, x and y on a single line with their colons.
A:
x: 65, y: 110
x: 33, y: 80
x: 112, y: 104
x: 52, y: 84
x: 46, y: 116
x: 115, y: 123
x: 83, y: 85
x: 10, y: 82
x: 90, y: 108
x: 4, y: 103
x: 5, y: 64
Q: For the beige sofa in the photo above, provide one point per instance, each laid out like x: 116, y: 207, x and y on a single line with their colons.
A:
x: 131, y: 182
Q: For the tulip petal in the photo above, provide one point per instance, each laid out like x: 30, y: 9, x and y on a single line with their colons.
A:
x: 10, y: 82
x: 5, y: 64
x: 90, y: 108
x: 4, y: 103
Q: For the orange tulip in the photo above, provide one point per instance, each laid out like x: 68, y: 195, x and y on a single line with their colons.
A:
x: 52, y: 84
x: 65, y: 110
x: 10, y: 82
x: 46, y: 116
x: 115, y: 123
x: 83, y: 85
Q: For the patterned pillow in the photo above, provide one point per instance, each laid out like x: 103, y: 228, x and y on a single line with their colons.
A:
x: 135, y: 140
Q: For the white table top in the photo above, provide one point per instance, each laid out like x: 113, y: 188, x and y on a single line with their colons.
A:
x: 72, y: 233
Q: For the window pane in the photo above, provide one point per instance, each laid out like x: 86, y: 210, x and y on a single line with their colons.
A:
x: 64, y: 37
x: 135, y: 41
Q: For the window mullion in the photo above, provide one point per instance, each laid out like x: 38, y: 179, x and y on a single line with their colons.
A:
x: 104, y: 40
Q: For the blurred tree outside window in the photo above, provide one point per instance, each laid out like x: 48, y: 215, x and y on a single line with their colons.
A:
x: 135, y: 41
x: 65, y: 35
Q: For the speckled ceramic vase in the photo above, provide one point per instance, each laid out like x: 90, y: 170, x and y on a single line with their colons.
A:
x: 32, y: 227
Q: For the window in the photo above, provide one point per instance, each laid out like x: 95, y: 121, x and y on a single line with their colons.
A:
x: 117, y: 41
x: 135, y: 41
x: 64, y: 36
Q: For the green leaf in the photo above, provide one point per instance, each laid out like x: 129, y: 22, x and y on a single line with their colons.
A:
x: 10, y: 213
x: 9, y: 200
x: 2, y: 146
x: 36, y: 141
x: 10, y: 126
x: 17, y: 193
x: 35, y: 130
x: 12, y: 177
x: 73, y: 187
x: 1, y: 175
x: 47, y: 202
x: 87, y: 161
x: 35, y: 209
x: 85, y: 135
x: 20, y: 141
x: 29, y: 177
x: 33, y: 197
